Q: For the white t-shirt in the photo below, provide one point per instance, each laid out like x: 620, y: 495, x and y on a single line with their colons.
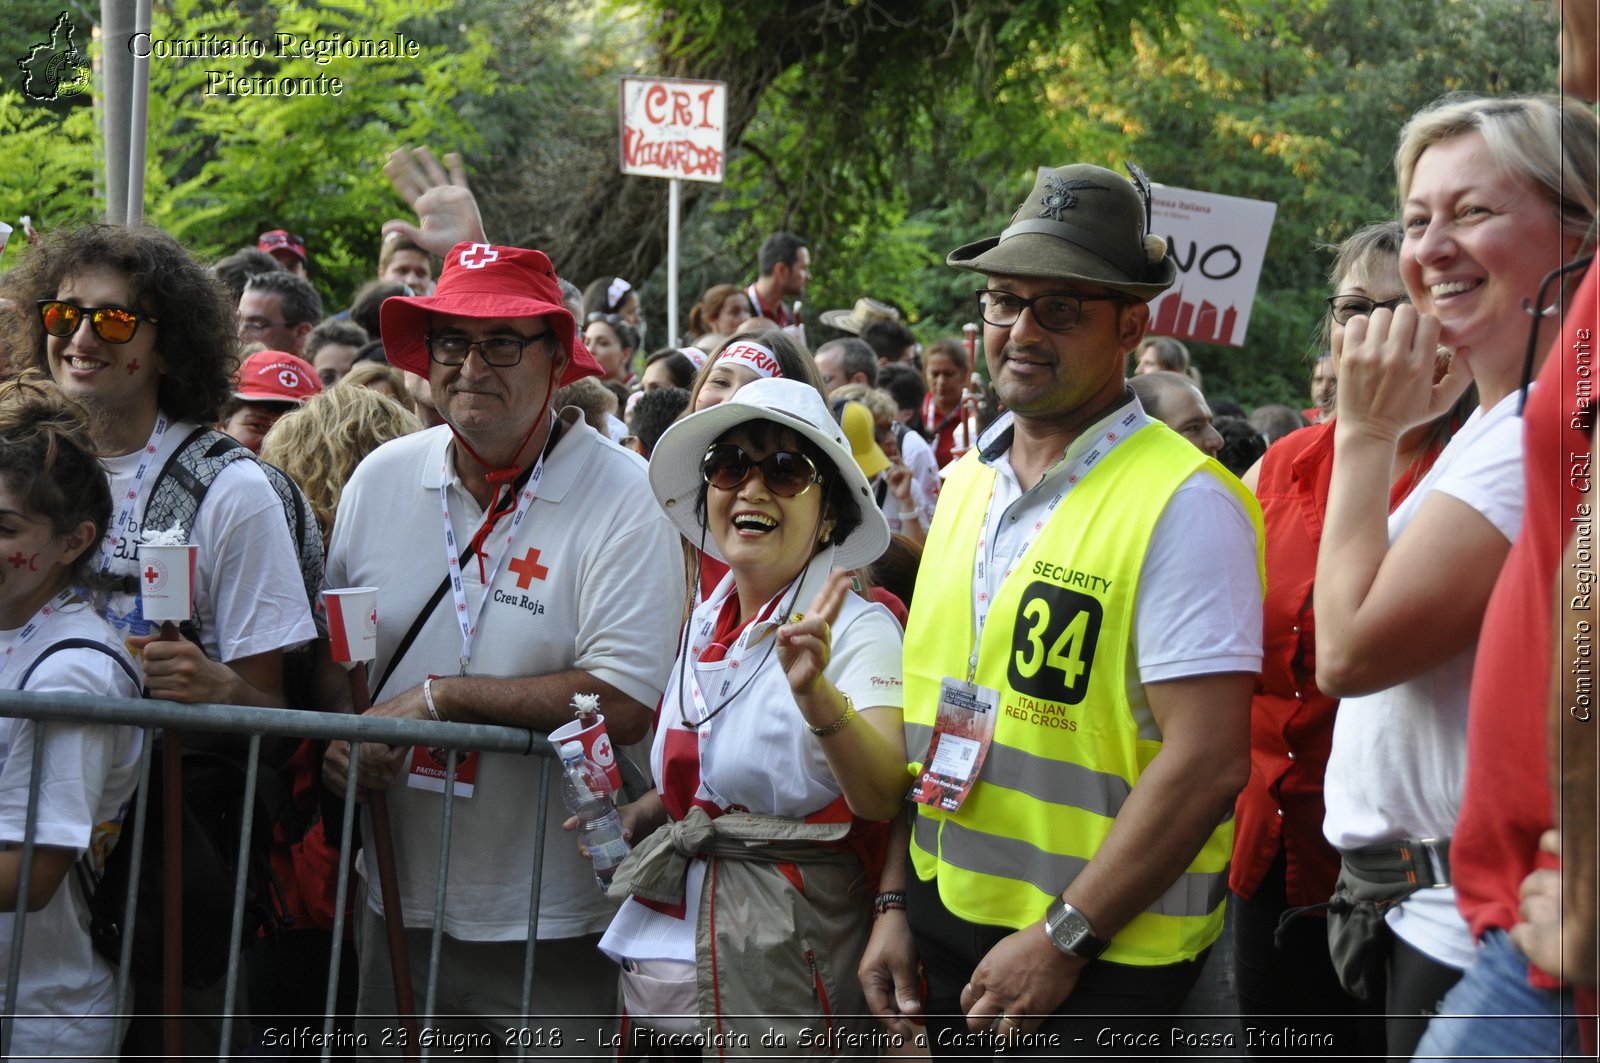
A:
x: 248, y: 592
x: 66, y: 990
x: 756, y: 754
x: 1198, y: 610
x: 1399, y: 756
x: 594, y: 581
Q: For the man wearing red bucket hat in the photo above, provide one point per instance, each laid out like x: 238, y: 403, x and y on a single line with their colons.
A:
x: 516, y: 567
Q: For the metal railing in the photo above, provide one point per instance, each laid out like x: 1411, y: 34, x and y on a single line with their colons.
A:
x: 257, y: 723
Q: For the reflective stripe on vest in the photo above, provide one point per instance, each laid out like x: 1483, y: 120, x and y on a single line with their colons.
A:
x: 1067, y: 750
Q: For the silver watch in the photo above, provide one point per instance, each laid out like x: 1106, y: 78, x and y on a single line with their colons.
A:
x: 1070, y: 931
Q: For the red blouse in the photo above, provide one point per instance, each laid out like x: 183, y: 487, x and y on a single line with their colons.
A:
x: 1291, y: 720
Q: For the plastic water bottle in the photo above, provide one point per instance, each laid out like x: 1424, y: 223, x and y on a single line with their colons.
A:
x: 588, y: 794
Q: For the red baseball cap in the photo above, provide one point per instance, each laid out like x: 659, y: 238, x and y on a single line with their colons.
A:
x: 282, y: 240
x: 275, y: 376
x: 484, y: 281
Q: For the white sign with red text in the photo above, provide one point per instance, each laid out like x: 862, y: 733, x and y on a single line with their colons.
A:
x: 673, y: 127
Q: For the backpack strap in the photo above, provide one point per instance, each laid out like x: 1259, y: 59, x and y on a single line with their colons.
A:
x: 82, y: 644
x: 306, y: 531
x: 181, y: 487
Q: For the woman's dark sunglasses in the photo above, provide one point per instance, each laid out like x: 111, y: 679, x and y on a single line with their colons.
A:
x: 113, y: 324
x: 786, y: 473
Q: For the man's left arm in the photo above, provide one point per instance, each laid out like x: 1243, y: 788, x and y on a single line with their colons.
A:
x: 1189, y: 788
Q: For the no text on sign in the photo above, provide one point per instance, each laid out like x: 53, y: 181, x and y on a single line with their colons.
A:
x: 673, y: 127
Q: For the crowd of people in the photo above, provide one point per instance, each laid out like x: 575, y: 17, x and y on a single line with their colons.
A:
x: 975, y: 707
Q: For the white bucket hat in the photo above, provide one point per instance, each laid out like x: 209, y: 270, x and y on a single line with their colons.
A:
x: 676, y: 481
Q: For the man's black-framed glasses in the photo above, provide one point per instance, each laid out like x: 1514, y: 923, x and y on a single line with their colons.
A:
x: 1059, y: 312
x: 1345, y: 307
x: 502, y: 352
x: 113, y: 324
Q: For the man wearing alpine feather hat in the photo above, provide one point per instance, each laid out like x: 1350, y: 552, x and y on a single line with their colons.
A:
x: 515, y: 568
x: 1079, y: 662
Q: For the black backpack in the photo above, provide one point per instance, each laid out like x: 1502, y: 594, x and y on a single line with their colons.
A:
x: 214, y: 768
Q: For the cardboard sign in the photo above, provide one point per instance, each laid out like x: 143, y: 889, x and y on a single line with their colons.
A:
x: 673, y: 127
x: 1220, y: 244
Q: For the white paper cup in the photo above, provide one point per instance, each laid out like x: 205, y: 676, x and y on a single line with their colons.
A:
x: 352, y: 623
x: 166, y: 581
x: 596, y: 746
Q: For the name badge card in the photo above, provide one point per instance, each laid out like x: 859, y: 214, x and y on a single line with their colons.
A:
x: 428, y: 768
x: 961, y: 739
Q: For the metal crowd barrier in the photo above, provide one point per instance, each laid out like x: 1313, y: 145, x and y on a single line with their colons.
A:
x: 257, y: 723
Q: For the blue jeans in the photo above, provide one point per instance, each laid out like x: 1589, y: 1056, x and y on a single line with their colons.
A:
x: 1493, y: 1011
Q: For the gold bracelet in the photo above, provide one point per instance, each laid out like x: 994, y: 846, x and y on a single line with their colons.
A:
x: 838, y: 725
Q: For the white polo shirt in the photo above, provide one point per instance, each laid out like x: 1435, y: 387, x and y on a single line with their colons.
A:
x: 594, y: 581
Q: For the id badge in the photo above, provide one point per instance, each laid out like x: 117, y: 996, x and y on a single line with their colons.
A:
x: 961, y: 738
x: 428, y: 768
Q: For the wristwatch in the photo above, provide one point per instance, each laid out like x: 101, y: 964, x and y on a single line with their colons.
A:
x: 1070, y: 931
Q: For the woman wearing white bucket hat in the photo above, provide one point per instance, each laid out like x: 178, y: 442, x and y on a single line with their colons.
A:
x: 779, y: 742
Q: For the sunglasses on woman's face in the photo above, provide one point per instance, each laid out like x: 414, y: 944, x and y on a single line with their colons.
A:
x: 786, y: 473
x: 113, y: 324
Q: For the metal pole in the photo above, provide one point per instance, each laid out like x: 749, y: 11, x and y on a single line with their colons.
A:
x: 172, y: 870
x: 116, y: 22
x: 672, y: 262
x: 394, y: 916
x: 139, y: 109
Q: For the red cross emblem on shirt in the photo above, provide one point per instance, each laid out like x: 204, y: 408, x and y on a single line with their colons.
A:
x: 528, y: 569
x: 478, y: 256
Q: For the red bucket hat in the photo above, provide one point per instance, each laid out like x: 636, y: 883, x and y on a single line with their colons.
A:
x: 484, y: 280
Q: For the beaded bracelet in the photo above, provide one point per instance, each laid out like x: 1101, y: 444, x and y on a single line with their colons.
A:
x: 889, y: 901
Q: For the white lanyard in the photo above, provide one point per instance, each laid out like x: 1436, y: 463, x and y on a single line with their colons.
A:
x: 728, y: 666
x: 736, y: 654
x: 469, y: 620
x: 984, y: 586
x: 130, y: 500
x: 32, y: 627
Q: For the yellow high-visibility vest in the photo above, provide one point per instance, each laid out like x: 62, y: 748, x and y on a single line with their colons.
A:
x: 1066, y: 750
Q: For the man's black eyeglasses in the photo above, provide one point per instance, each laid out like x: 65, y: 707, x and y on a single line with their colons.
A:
x: 1053, y: 313
x: 1345, y: 307
x: 502, y: 352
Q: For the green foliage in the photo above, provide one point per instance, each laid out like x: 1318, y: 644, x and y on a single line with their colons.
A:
x: 891, y: 144
x: 222, y: 167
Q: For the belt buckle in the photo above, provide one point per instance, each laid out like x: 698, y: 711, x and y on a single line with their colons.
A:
x: 1436, y: 868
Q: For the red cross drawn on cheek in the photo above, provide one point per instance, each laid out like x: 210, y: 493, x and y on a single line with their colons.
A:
x: 17, y: 560
x: 528, y: 569
x: 133, y: 367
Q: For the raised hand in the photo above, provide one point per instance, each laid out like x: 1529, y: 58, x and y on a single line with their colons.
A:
x: 445, y: 206
x: 803, y: 647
